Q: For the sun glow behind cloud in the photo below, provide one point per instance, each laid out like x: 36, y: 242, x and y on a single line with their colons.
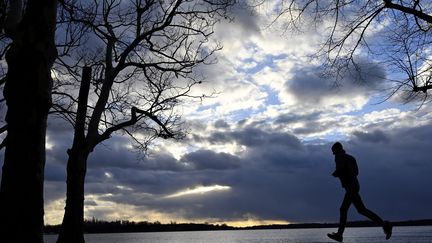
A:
x: 199, y: 190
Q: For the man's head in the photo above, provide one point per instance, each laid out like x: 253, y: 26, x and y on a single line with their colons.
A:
x: 337, y: 148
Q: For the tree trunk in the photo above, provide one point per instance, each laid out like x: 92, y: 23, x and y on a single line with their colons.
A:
x: 28, y: 97
x: 73, y: 220
x: 72, y: 229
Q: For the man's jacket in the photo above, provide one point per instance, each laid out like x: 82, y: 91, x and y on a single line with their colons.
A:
x: 347, y: 171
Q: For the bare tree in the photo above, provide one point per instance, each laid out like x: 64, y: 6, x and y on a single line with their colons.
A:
x: 29, y: 27
x: 138, y: 63
x: 394, y: 33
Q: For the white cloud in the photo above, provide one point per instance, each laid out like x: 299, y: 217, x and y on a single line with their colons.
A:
x: 54, y: 211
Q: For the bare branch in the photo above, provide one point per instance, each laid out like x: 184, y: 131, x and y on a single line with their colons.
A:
x: 142, y: 63
x: 420, y: 14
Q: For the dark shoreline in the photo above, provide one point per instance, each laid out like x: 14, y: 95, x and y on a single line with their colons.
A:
x: 98, y: 226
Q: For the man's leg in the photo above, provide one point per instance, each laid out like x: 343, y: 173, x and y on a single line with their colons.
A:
x: 358, y: 203
x: 343, y: 219
x: 344, y: 212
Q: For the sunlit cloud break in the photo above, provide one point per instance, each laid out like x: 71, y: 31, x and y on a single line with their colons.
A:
x: 199, y: 190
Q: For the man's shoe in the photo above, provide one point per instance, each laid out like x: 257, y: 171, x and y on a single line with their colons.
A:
x: 335, y: 236
x: 388, y: 228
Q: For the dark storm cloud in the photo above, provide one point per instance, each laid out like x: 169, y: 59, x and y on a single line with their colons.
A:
x: 308, y: 86
x: 255, y: 137
x: 221, y: 124
x: 297, y: 186
x: 376, y: 136
x: 53, y: 190
x: 311, y: 87
x: 207, y: 159
x: 115, y: 154
x: 56, y: 172
x: 310, y: 122
x: 245, y: 20
x: 312, y: 126
x: 251, y: 186
x: 276, y: 177
x: 261, y: 189
x: 293, y: 118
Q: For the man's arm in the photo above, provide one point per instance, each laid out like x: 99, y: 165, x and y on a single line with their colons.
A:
x: 339, y: 167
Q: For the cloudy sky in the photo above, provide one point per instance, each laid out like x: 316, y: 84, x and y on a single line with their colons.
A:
x: 258, y: 152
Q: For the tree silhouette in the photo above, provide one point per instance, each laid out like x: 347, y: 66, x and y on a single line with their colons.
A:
x: 395, y: 33
x: 28, y: 30
x: 137, y: 61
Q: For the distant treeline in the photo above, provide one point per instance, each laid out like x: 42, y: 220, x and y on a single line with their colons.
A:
x: 124, y: 226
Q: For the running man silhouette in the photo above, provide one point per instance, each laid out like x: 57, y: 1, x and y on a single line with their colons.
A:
x: 347, y: 171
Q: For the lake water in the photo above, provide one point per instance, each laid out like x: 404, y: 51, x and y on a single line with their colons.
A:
x: 421, y: 234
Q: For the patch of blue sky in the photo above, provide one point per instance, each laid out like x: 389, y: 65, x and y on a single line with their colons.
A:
x: 253, y: 65
x: 272, y: 96
x: 239, y: 115
x: 203, y: 108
